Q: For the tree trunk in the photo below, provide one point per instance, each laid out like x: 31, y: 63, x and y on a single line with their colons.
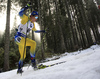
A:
x: 71, y: 25
x: 42, y: 45
x: 86, y: 24
x: 7, y: 40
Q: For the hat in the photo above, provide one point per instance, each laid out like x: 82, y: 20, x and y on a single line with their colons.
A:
x: 34, y: 13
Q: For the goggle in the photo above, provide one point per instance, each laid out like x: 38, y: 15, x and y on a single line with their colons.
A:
x: 36, y: 17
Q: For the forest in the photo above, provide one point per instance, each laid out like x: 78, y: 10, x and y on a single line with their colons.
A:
x: 70, y: 25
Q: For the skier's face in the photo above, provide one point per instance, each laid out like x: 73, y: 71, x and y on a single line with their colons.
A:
x: 34, y: 18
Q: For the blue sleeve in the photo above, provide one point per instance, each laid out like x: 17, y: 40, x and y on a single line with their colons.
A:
x: 22, y: 11
x: 38, y: 31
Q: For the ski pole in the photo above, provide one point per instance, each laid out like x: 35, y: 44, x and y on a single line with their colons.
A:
x: 26, y: 34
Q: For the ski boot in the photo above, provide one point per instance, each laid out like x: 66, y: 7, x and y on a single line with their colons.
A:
x: 19, y: 71
x: 33, y: 62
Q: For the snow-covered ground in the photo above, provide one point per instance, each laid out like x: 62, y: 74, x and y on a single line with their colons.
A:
x: 78, y: 65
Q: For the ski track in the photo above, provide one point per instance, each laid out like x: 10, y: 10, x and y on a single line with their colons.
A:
x: 84, y: 65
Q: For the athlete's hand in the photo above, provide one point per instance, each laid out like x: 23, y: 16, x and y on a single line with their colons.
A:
x: 28, y: 5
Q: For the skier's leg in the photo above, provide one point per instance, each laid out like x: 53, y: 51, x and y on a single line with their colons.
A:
x: 22, y: 50
x: 20, y: 64
x: 32, y: 44
x: 22, y: 47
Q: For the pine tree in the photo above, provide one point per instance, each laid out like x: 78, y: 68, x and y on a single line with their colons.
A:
x: 7, y: 38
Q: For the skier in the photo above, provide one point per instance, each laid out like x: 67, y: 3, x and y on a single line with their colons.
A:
x: 27, y: 24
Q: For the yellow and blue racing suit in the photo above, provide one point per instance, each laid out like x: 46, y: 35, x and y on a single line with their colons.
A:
x: 24, y: 28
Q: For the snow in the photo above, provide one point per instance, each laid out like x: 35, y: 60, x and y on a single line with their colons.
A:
x: 83, y: 64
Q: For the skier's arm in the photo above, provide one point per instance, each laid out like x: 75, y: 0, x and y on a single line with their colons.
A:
x: 43, y: 31
x: 39, y: 31
x: 23, y: 17
x: 22, y: 10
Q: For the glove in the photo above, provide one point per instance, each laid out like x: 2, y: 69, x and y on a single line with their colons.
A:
x: 28, y: 5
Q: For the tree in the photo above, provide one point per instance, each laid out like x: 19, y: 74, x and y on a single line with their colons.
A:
x: 7, y: 37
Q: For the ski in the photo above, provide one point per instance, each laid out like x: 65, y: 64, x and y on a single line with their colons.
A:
x: 41, y: 66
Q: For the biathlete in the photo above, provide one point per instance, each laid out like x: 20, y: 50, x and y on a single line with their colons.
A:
x: 26, y: 25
